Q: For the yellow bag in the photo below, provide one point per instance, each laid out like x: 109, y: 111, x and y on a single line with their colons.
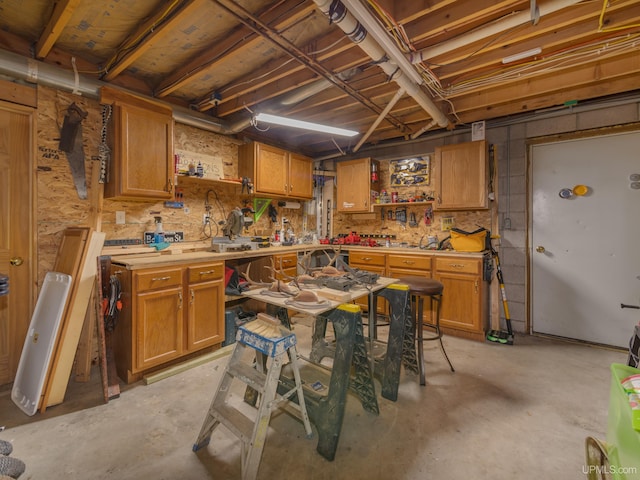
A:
x: 470, y: 241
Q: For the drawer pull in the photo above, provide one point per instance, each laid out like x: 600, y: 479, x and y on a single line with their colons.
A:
x: 160, y: 279
x: 456, y: 265
x: 366, y: 259
x: 408, y: 262
x: 207, y: 272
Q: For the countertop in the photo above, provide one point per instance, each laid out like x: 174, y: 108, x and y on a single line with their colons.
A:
x: 139, y: 258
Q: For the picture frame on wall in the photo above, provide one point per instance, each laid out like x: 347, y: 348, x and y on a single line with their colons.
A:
x: 410, y: 172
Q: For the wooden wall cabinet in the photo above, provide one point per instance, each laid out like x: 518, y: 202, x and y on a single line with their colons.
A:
x: 460, y: 176
x: 354, y: 186
x: 168, y: 313
x: 275, y: 171
x: 140, y: 136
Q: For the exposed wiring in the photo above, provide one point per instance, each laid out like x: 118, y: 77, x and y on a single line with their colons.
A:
x: 605, y: 4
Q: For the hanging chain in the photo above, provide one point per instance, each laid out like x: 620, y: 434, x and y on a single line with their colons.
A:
x: 104, y: 154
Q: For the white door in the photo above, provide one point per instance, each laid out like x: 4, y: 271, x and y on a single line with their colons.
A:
x: 585, y: 250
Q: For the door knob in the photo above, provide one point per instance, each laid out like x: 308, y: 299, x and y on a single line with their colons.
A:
x: 16, y: 261
x: 540, y: 249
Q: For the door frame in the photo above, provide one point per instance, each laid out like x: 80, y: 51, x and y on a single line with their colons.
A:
x: 530, y: 142
x: 22, y: 100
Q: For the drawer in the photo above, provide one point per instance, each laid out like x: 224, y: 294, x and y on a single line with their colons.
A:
x: 366, y: 258
x: 285, y: 261
x: 160, y: 278
x: 418, y: 262
x: 204, y: 272
x: 459, y: 265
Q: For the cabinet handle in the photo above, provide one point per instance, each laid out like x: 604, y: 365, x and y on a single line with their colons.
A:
x: 476, y: 285
x: 179, y: 300
x: 408, y: 262
x: 160, y: 279
x: 206, y: 272
x: 456, y: 265
x: 170, y: 184
x: 291, y: 187
x: 193, y: 296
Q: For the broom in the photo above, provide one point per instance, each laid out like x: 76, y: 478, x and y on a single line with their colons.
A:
x: 500, y: 336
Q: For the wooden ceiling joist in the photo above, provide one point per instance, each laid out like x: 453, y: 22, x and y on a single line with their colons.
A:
x: 61, y: 15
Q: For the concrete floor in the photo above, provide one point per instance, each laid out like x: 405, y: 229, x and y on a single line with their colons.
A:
x: 508, y: 412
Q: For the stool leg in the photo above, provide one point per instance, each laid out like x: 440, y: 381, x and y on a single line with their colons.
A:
x: 418, y: 311
x: 438, y: 331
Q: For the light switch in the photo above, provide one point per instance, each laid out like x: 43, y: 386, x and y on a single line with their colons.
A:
x: 120, y: 218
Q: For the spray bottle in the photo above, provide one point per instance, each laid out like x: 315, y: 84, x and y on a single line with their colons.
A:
x: 158, y: 235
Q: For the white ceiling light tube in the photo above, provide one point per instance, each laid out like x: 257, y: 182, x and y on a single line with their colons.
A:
x: 522, y: 55
x: 291, y: 122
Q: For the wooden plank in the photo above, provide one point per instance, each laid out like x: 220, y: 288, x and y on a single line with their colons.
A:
x: 84, y: 353
x: 184, y: 366
x: 74, y: 318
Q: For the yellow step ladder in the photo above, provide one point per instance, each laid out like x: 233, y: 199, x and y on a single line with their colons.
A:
x: 252, y: 433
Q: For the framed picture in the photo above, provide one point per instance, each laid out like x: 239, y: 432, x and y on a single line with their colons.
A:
x: 410, y: 172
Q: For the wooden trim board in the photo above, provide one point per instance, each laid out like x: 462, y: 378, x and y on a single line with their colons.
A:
x: 74, y: 319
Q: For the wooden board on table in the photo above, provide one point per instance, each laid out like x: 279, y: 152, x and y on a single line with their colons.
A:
x: 331, y: 294
x: 73, y: 321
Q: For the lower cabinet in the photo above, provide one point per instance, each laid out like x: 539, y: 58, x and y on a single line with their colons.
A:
x: 464, y: 299
x: 463, y: 311
x: 399, y: 266
x: 287, y: 264
x: 168, y: 313
x: 372, y: 262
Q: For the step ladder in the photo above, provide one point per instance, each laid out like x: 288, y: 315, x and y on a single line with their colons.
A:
x: 253, y: 433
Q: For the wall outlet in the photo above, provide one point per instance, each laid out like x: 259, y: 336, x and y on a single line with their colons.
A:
x: 206, y: 219
x: 120, y: 218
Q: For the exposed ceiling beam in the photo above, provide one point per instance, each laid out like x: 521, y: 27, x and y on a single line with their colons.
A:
x: 552, y: 84
x: 240, y: 40
x: 61, y: 15
x: 146, y: 36
x: 255, y: 24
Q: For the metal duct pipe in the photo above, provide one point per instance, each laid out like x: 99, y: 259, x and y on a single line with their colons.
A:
x: 338, y: 14
x: 482, y: 33
x: 41, y: 73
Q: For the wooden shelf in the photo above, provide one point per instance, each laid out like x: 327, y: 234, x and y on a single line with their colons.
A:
x: 188, y: 180
x: 402, y: 204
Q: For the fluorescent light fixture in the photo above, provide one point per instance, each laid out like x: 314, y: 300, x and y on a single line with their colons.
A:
x: 316, y: 127
x: 522, y: 55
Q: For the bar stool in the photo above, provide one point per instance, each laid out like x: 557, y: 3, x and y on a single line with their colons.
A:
x: 421, y: 288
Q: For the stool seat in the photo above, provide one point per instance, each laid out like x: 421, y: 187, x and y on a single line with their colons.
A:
x: 422, y: 285
x: 419, y: 289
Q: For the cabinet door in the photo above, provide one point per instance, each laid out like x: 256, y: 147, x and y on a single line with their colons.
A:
x: 399, y: 272
x: 461, y: 301
x: 142, y: 154
x: 205, y: 325
x: 354, y: 185
x: 300, y: 176
x: 460, y: 176
x: 271, y: 170
x: 159, y: 327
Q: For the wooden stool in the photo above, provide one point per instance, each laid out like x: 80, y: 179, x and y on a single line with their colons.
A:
x: 420, y: 288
